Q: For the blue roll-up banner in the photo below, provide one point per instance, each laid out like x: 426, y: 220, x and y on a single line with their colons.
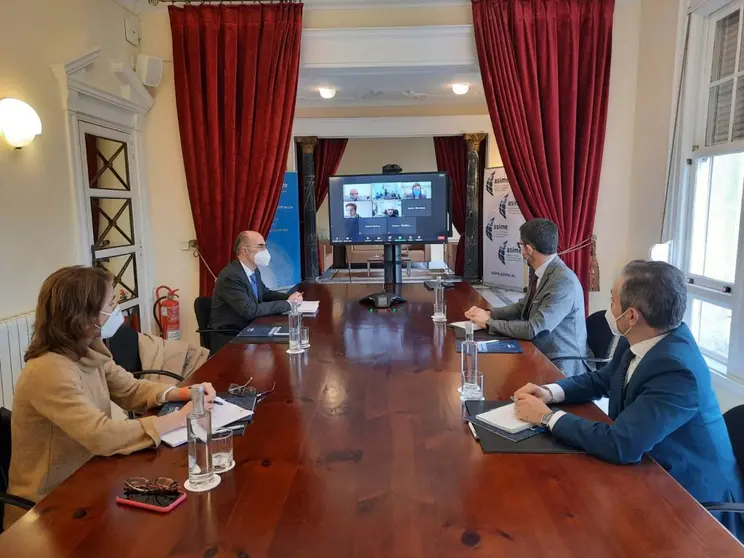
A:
x: 284, y: 239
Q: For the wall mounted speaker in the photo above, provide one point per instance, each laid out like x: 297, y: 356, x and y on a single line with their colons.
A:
x: 149, y: 69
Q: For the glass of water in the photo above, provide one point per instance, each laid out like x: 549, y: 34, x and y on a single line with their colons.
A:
x: 472, y: 385
x: 305, y: 337
x: 222, y: 450
x: 295, y: 327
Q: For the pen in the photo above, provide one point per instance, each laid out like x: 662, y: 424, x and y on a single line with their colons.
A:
x: 472, y: 430
x: 216, y: 402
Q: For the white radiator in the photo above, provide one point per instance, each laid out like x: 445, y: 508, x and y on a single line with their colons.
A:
x: 15, y: 335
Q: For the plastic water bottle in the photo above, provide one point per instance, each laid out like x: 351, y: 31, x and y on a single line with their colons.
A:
x: 295, y: 330
x: 440, y: 310
x: 199, y: 428
x: 469, y: 364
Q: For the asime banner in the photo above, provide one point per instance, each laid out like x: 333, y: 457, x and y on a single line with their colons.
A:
x: 503, y: 265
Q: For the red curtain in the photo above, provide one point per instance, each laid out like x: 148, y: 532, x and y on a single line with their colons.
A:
x: 328, y: 154
x: 452, y: 158
x: 545, y: 66
x: 236, y: 70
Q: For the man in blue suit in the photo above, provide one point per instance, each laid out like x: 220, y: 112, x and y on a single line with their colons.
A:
x: 661, y: 398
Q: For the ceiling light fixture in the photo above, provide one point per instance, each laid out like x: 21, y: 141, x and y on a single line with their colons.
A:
x: 19, y: 123
x: 327, y: 92
x: 460, y: 88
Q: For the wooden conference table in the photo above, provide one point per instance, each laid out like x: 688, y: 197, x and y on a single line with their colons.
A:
x: 362, y: 452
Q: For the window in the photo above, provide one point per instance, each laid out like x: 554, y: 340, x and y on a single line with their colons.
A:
x: 708, y: 237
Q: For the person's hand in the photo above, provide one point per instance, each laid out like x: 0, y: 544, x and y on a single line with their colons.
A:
x: 295, y: 296
x: 542, y: 393
x: 478, y: 316
x: 529, y: 408
x: 209, y: 396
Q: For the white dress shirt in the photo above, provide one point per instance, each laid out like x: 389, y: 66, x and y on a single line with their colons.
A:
x: 540, y: 271
x: 639, y: 351
x: 248, y: 270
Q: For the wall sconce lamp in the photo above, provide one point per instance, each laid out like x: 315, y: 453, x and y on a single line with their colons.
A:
x: 19, y: 123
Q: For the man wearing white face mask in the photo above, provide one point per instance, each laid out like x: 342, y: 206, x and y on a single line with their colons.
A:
x: 661, y: 398
x: 240, y: 295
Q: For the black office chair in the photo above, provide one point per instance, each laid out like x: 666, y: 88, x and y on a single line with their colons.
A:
x: 599, y: 337
x: 203, y: 311
x: 124, y: 347
x: 5, y: 448
x: 735, y: 425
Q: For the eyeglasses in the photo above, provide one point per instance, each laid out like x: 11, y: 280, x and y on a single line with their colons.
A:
x: 246, y: 390
x: 142, y: 485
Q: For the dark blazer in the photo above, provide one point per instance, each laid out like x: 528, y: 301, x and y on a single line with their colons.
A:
x: 234, y: 305
x: 669, y: 411
x: 555, y: 321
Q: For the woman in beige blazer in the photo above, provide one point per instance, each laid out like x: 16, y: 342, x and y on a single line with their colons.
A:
x: 62, y: 403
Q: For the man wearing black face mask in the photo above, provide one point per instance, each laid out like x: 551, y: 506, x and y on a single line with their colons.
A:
x: 551, y: 315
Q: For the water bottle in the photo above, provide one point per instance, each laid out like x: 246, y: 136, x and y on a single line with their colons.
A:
x: 295, y: 331
x: 199, y: 428
x: 440, y: 310
x: 469, y: 364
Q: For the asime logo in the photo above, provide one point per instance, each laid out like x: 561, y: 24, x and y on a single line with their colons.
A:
x: 502, y: 252
x: 489, y: 228
x: 489, y: 184
x: 503, y: 204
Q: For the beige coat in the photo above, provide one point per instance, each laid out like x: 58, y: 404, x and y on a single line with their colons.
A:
x: 172, y: 355
x: 62, y: 418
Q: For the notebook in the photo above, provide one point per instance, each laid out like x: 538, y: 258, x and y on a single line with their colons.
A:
x: 265, y: 331
x: 462, y: 325
x: 222, y: 415
x: 504, y: 418
x: 503, y: 346
x: 309, y: 307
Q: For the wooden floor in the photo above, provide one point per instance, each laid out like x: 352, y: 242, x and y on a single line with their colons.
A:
x: 362, y: 452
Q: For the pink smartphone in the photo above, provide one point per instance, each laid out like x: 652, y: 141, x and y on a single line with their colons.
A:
x: 161, y: 503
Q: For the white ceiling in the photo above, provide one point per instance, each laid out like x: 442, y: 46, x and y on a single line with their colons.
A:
x: 388, y: 86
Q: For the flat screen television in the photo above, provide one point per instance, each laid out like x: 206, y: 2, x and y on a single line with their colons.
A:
x: 390, y: 208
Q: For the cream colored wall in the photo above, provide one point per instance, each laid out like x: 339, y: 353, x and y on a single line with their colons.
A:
x: 612, y: 224
x: 405, y: 17
x: 171, y: 222
x: 39, y: 225
x: 368, y: 156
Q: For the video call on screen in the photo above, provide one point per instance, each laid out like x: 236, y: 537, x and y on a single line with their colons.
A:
x: 400, y: 208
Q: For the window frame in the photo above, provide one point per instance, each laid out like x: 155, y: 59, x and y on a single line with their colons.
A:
x: 694, y: 120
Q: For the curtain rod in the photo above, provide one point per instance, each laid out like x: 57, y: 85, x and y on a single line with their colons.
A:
x: 189, y: 2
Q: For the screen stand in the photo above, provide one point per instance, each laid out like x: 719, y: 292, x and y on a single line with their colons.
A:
x: 392, y: 264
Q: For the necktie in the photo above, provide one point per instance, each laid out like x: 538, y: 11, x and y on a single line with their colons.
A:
x: 622, y: 374
x: 254, y: 285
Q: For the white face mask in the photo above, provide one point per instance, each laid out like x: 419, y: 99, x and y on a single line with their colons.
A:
x: 262, y: 258
x: 113, y: 323
x: 612, y: 322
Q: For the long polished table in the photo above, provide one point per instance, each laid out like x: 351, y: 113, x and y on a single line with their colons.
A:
x: 362, y: 451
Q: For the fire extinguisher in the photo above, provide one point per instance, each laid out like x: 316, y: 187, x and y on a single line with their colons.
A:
x: 167, y: 313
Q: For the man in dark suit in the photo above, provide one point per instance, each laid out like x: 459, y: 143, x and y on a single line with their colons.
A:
x: 661, y: 398
x: 240, y: 295
x: 551, y: 314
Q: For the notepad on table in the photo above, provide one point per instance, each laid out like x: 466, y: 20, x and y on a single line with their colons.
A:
x: 309, y: 307
x: 504, y: 418
x: 462, y: 325
x: 264, y: 331
x: 222, y: 415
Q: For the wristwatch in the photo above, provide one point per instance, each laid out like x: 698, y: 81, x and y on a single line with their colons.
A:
x: 545, y: 420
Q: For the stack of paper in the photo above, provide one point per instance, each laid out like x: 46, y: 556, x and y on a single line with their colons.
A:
x: 222, y: 415
x: 309, y: 307
x: 476, y: 327
x: 504, y: 418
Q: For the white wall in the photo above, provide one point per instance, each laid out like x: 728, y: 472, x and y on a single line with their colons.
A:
x: 38, y: 220
x: 369, y: 155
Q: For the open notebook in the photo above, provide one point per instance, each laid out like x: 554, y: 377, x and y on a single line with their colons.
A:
x: 222, y: 415
x: 504, y: 418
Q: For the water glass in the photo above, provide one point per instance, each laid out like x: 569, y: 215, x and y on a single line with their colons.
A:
x: 305, y: 337
x: 472, y: 385
x: 440, y: 312
x: 222, y: 450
